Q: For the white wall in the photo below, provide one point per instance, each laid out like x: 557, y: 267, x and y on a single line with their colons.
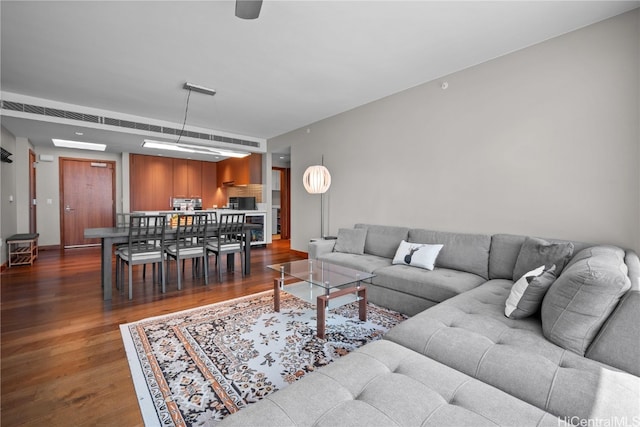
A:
x: 48, y: 189
x: 543, y: 142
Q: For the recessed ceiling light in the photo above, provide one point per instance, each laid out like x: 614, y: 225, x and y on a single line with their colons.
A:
x: 79, y: 133
x: 79, y: 145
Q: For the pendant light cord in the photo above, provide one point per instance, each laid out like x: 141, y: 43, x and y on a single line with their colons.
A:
x: 184, y: 122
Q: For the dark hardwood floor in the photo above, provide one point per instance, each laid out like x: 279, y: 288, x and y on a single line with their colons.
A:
x: 62, y: 358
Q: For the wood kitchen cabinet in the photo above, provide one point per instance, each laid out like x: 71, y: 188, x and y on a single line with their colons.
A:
x: 247, y: 170
x: 209, y: 184
x: 187, y: 178
x: 150, y: 182
x: 154, y: 179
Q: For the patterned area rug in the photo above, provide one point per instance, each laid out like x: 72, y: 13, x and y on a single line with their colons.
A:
x: 195, y: 367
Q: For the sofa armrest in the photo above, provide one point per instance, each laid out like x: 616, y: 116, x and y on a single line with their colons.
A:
x: 320, y: 247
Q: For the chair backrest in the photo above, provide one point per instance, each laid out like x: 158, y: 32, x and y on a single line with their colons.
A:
x: 230, y: 228
x: 146, y: 232
x: 213, y: 218
x: 191, y: 229
x: 122, y: 219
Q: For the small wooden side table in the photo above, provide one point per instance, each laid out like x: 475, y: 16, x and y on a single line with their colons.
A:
x: 22, y: 249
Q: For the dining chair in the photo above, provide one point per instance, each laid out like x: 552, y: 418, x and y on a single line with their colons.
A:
x: 145, y: 246
x: 228, y: 239
x: 122, y: 219
x: 190, y: 242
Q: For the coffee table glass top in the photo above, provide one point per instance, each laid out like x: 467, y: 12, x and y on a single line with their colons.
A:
x: 320, y: 273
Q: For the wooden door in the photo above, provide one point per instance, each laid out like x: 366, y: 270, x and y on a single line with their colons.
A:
x: 33, y: 228
x: 87, y: 194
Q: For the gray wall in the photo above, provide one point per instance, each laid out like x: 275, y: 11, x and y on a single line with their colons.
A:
x: 543, y: 141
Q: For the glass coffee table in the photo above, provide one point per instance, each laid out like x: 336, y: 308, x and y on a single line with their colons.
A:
x: 321, y: 283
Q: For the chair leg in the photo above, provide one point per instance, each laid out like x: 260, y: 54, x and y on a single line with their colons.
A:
x: 130, y: 281
x: 162, y: 276
x: 205, y: 266
x: 117, y: 272
x: 219, y: 266
x: 179, y: 273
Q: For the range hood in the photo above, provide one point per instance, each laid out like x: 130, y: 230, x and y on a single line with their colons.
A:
x: 232, y: 184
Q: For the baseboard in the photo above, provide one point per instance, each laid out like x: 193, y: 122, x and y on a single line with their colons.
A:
x: 299, y: 253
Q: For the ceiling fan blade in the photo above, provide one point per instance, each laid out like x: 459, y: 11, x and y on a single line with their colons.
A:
x: 248, y: 9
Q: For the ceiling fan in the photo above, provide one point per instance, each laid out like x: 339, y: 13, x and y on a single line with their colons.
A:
x: 248, y: 9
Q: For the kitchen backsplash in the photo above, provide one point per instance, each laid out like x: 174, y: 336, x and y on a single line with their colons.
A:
x: 251, y: 190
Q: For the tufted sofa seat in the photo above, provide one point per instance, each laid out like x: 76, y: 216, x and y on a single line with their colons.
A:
x: 573, y: 358
x: 471, y: 334
x: 386, y: 384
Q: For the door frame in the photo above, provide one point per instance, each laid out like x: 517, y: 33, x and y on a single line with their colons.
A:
x: 285, y: 201
x: 33, y: 213
x: 61, y: 160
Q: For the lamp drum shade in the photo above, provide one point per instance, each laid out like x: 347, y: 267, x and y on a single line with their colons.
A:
x: 316, y: 179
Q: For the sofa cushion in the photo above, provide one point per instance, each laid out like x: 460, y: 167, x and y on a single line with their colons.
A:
x: 417, y: 255
x: 366, y: 263
x: 464, y: 252
x: 536, y: 252
x: 504, y: 253
x: 528, y: 292
x: 384, y: 384
x: 383, y: 240
x: 471, y: 334
x: 580, y: 301
x: 617, y: 342
x: 351, y: 240
x: 437, y: 285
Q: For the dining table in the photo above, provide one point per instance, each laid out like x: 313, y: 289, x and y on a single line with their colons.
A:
x: 111, y: 236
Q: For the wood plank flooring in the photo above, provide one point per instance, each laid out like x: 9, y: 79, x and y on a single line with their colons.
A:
x: 62, y: 358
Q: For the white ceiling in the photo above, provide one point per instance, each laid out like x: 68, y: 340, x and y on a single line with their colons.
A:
x: 299, y: 62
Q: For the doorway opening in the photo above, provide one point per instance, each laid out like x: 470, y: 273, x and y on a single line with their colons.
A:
x: 281, y: 195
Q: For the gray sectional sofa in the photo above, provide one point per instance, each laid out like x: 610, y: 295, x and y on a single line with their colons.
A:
x: 459, y: 360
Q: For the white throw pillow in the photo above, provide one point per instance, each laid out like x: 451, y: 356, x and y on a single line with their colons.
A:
x: 528, y: 292
x: 417, y: 254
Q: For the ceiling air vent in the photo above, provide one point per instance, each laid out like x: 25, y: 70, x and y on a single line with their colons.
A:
x: 92, y: 118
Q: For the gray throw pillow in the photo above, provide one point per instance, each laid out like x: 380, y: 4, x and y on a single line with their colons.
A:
x: 528, y: 292
x: 536, y: 252
x: 581, y: 299
x: 351, y: 240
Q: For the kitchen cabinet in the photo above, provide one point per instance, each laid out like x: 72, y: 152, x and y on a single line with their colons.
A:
x: 187, y: 178
x: 150, y: 182
x: 209, y: 184
x: 247, y: 170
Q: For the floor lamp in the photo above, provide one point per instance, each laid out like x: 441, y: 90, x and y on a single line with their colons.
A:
x: 317, y: 180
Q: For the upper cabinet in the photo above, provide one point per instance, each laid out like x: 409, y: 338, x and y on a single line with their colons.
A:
x: 247, y: 170
x: 187, y: 178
